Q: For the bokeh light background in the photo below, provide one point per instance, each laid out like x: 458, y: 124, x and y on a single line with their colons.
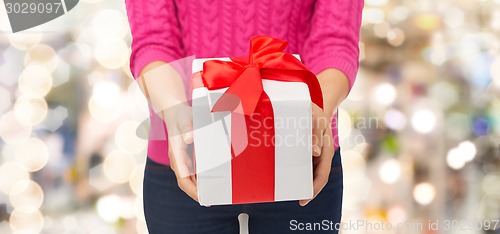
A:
x: 420, y: 131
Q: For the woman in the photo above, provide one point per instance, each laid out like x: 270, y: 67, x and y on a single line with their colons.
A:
x: 324, y: 32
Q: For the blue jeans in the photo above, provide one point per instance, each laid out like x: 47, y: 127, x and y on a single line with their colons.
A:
x: 169, y: 210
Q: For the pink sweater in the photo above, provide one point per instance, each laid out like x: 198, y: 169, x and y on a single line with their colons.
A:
x: 324, y: 32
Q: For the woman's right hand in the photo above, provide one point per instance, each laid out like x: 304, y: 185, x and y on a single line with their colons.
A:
x: 179, y: 121
x: 164, y: 88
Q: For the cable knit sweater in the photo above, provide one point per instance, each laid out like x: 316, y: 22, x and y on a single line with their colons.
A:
x: 324, y: 32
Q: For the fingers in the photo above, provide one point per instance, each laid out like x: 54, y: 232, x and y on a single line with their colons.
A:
x: 188, y: 137
x: 182, y: 165
x: 321, y: 173
x: 186, y: 181
x: 180, y: 136
x: 185, y: 126
x: 180, y: 158
x: 319, y: 124
x: 322, y: 166
x: 188, y: 186
x: 328, y: 148
x: 317, y: 141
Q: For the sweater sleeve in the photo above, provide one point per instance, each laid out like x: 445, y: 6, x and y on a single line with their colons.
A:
x: 334, y: 37
x: 155, y: 32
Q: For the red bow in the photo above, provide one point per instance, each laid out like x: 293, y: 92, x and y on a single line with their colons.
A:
x: 244, y: 75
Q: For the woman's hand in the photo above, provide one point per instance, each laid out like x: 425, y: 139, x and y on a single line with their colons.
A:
x: 179, y: 123
x: 335, y: 87
x: 164, y: 88
x: 322, y: 145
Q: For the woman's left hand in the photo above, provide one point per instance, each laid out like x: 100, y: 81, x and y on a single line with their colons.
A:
x: 323, y: 149
x: 334, y: 86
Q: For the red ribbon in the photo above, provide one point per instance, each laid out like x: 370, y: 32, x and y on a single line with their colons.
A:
x: 244, y: 75
x: 253, y: 168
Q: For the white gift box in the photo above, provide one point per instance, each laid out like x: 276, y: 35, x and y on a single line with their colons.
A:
x: 293, y: 176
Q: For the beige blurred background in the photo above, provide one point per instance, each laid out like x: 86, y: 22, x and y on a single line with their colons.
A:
x: 420, y: 131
